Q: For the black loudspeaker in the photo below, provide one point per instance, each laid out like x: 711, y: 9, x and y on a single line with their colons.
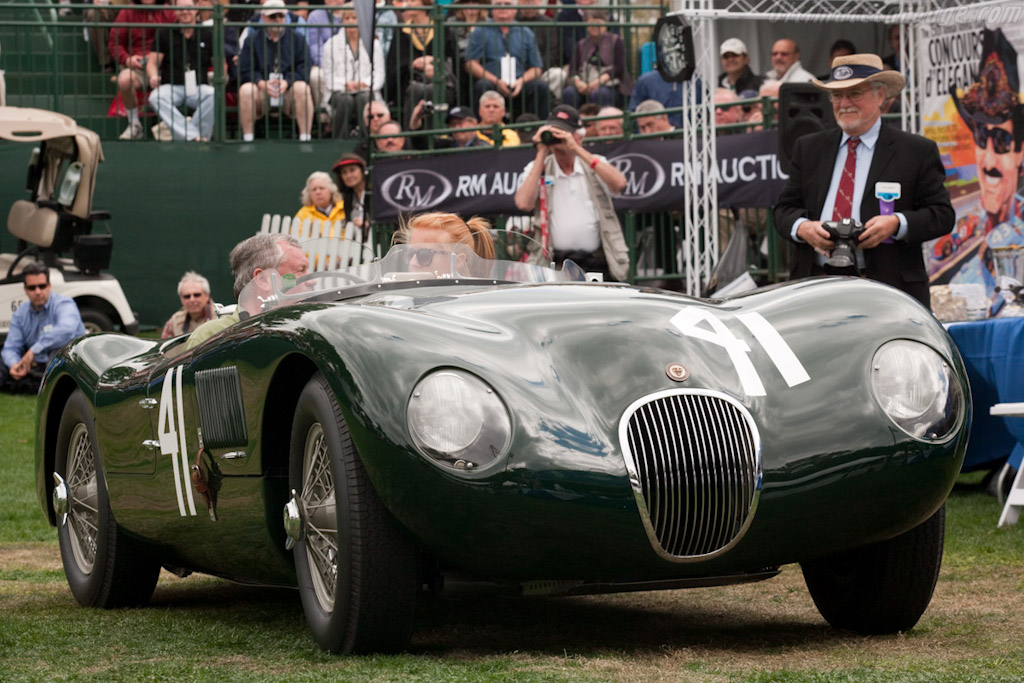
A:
x: 803, y: 109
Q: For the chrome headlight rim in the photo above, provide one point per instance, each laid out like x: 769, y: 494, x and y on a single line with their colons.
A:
x: 955, y: 398
x: 497, y: 425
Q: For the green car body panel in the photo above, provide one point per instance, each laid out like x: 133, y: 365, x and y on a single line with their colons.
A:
x: 567, y: 360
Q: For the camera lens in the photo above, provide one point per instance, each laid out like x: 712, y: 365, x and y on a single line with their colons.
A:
x: 548, y: 138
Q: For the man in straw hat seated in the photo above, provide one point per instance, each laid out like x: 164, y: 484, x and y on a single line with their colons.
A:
x: 838, y: 174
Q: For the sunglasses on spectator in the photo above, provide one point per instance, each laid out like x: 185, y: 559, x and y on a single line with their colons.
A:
x: 852, y: 95
x: 194, y: 295
x: 424, y: 257
x: 1001, y: 138
x: 33, y: 288
x: 378, y: 115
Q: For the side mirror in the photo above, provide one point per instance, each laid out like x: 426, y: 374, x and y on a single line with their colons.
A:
x: 69, y: 186
x: 32, y: 180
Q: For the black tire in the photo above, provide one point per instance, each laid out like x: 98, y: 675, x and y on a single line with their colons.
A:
x: 361, y: 598
x: 96, y: 320
x: 881, y: 588
x: 104, y: 568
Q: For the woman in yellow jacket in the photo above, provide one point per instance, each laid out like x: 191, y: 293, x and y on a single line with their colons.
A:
x: 321, y: 202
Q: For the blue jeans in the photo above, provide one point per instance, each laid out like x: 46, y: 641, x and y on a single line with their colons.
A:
x: 167, y: 98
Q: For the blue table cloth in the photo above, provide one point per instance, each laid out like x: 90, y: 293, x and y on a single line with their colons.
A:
x: 993, y: 351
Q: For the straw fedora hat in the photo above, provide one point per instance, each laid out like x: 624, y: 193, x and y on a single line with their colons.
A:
x: 851, y: 70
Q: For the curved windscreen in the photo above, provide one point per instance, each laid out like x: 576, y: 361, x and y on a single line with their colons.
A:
x: 411, y: 264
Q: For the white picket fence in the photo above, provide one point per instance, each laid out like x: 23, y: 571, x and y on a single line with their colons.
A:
x: 329, y: 245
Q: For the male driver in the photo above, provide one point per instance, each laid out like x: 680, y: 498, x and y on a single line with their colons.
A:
x: 736, y: 73
x: 274, y: 70
x: 578, y: 187
x: 249, y: 259
x: 835, y: 174
x: 176, y: 67
x: 39, y: 328
x: 506, y: 59
x: 651, y: 118
x: 993, y: 110
x: 786, y: 63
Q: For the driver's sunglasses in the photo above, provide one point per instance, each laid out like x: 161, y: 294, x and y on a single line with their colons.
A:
x: 33, y: 288
x: 424, y: 257
x: 1001, y: 138
x: 192, y: 296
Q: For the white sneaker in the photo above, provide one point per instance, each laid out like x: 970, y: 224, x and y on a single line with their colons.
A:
x: 162, y: 132
x: 133, y: 132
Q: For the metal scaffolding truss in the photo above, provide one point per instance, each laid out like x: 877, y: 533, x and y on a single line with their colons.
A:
x: 700, y: 197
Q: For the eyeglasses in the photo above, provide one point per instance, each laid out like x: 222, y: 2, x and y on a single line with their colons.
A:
x: 781, y: 54
x: 424, y: 257
x: 852, y: 95
x: 194, y: 295
x: 33, y: 288
x: 1001, y: 138
x: 378, y: 115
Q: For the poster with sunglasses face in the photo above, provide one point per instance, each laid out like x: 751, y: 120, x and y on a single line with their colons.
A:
x: 972, y: 106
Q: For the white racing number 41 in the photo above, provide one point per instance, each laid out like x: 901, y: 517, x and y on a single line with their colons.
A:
x: 171, y: 433
x: 688, y: 321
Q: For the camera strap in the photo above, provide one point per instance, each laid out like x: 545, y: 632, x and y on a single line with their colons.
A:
x: 543, y: 199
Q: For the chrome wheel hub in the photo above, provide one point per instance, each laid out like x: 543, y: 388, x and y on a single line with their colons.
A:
x: 82, y: 499
x: 319, y: 520
x: 60, y: 499
x: 292, y: 522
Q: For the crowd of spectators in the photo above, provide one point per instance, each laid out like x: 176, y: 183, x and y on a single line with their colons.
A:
x: 314, y: 67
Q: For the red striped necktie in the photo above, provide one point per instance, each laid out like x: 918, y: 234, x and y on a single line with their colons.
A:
x: 844, y: 199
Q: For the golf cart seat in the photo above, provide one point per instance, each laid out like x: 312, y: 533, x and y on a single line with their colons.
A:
x: 58, y: 218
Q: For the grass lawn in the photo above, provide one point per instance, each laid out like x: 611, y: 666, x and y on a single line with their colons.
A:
x: 201, y: 628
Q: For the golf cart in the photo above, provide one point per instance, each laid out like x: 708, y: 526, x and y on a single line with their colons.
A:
x: 55, y: 224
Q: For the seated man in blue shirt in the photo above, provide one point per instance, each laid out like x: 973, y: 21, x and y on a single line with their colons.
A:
x: 516, y: 47
x: 39, y: 328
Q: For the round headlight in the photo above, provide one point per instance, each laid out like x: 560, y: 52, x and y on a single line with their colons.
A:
x: 917, y: 389
x: 458, y: 420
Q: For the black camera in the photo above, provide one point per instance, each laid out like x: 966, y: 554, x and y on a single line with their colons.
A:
x: 845, y: 233
x: 548, y: 138
x: 430, y: 107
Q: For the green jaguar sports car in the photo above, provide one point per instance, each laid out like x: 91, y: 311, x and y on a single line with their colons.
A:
x: 433, y: 421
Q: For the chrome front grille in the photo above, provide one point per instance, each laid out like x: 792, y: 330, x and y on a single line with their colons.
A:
x: 694, y: 459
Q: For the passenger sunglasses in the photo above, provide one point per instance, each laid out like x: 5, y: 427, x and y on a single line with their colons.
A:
x: 33, y: 288
x: 424, y: 257
x: 1001, y: 138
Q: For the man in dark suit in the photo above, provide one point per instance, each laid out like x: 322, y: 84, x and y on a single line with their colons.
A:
x: 838, y: 174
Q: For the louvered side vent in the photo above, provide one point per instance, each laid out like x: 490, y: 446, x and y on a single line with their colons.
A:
x: 695, y: 463
x: 221, y: 412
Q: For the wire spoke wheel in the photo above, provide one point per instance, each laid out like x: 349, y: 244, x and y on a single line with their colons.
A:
x: 104, y: 566
x: 321, y: 526
x: 83, y: 510
x: 357, y: 574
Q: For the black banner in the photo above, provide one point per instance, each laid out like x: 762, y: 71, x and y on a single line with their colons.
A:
x: 748, y: 175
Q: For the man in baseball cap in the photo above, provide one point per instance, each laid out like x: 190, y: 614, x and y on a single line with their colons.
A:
x: 737, y: 75
x: 575, y: 210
